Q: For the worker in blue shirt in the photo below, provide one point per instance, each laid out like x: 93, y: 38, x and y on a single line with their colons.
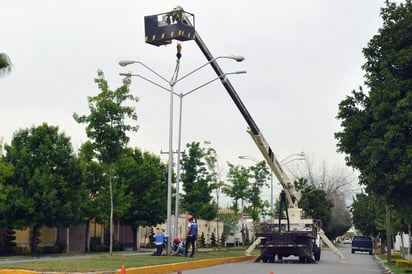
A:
x: 159, y: 242
x: 191, y: 235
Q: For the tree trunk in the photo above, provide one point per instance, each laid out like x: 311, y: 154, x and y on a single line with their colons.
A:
x: 134, y: 233
x: 137, y: 239
x: 33, y: 240
x: 409, y: 241
x: 111, y: 210
x: 87, y: 240
x: 388, y: 234
x: 67, y: 240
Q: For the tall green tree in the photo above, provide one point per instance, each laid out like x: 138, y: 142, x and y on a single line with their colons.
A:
x: 46, y: 187
x: 376, y: 131
x: 5, y: 64
x: 237, y: 189
x: 245, y: 185
x: 107, y: 127
x: 314, y: 202
x: 196, y: 183
x: 95, y: 183
x: 145, y: 178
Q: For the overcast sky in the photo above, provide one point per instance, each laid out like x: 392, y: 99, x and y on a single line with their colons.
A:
x: 302, y: 58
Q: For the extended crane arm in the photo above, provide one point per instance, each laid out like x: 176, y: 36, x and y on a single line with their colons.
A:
x: 293, y: 195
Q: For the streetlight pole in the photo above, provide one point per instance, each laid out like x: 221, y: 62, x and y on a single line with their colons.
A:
x: 172, y: 83
x: 181, y: 96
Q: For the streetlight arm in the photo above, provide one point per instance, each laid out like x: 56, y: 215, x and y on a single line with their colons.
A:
x: 300, y: 156
x: 245, y: 157
x: 148, y: 80
x: 236, y: 58
x: 124, y: 63
x: 211, y: 81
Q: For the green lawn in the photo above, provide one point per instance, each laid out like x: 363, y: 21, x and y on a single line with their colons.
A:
x: 103, y: 261
x: 392, y: 266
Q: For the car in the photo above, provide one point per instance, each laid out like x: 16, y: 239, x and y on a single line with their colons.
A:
x: 362, y: 244
x: 347, y: 241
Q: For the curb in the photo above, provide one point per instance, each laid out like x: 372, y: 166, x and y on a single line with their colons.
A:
x: 177, y: 267
x: 154, y: 269
x: 382, y: 265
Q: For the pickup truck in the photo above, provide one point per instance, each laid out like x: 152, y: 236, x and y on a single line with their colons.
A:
x: 362, y: 244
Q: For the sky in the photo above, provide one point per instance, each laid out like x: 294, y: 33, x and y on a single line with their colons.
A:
x: 302, y: 58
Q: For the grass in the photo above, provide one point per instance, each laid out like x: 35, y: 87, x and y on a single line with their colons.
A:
x: 392, y: 266
x: 105, y: 262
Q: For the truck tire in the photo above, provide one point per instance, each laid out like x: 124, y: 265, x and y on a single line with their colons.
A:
x: 271, y: 259
x: 316, y: 253
x: 302, y: 259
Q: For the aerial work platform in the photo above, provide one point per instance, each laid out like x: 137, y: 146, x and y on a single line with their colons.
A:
x: 161, y: 28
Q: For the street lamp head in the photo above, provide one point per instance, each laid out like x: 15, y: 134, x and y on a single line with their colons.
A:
x: 124, y: 63
x: 246, y: 157
x: 238, y: 58
x: 239, y: 72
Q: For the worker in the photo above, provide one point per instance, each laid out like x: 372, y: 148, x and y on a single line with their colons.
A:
x: 178, y: 247
x: 191, y: 235
x: 159, y: 242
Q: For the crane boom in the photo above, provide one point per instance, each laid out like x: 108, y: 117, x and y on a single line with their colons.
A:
x: 292, y: 194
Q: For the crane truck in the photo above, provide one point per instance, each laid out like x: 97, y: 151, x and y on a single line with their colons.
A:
x: 294, y: 235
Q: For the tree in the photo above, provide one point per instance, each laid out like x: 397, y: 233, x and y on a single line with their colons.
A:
x: 146, y: 179
x: 341, y: 220
x: 196, y: 183
x: 238, y: 176
x: 94, y: 179
x: 377, y: 135
x: 246, y: 185
x: 314, y: 202
x: 45, y: 188
x: 368, y: 212
x: 338, y: 184
x: 107, y: 127
x: 5, y: 64
x: 376, y: 131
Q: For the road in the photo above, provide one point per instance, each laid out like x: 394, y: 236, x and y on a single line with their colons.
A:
x: 361, y: 263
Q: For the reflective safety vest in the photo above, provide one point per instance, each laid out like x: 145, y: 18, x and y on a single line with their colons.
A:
x: 193, y: 229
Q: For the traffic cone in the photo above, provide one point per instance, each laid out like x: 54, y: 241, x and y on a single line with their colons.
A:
x: 123, y: 269
x: 271, y: 272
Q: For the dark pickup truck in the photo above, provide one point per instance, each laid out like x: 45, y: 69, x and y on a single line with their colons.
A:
x: 362, y: 243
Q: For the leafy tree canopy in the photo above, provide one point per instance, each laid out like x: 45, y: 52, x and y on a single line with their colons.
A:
x: 197, y: 181
x: 146, y: 179
x: 377, y: 132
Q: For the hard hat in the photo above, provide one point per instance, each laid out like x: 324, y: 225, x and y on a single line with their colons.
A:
x: 176, y: 240
x: 189, y: 217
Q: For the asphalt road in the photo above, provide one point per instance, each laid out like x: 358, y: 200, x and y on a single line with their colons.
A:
x: 361, y: 263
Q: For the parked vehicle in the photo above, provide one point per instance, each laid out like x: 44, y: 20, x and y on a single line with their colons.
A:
x: 362, y: 244
x: 347, y: 241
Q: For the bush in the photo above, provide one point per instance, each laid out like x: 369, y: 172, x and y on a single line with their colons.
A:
x: 22, y: 250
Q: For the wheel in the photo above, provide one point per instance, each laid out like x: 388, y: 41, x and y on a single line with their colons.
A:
x: 265, y: 259
x: 272, y: 259
x: 280, y: 257
x: 353, y: 251
x: 316, y: 253
x: 370, y: 252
